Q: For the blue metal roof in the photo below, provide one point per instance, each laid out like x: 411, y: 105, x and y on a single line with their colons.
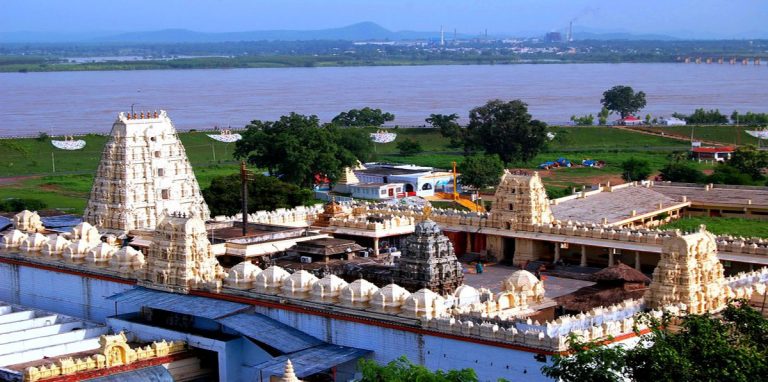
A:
x: 178, y: 303
x: 270, y: 332
x: 147, y: 374
x: 312, y: 361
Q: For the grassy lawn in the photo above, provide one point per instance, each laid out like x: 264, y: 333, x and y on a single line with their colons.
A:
x: 722, y: 226
x: 724, y: 134
x: 69, y: 186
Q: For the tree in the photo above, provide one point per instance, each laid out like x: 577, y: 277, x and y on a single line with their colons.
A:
x: 362, y: 117
x: 448, y: 126
x: 295, y: 148
x: 264, y: 193
x: 358, y: 142
x: 749, y: 160
x: 507, y: 130
x: 635, y: 169
x: 602, y: 116
x: 481, y: 171
x: 735, y: 343
x: 682, y: 172
x: 701, y: 117
x: 409, y: 147
x: 725, y: 174
x: 623, y: 100
x: 585, y: 120
x: 403, y: 370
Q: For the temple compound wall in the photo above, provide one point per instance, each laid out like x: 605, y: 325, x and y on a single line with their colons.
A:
x: 143, y: 172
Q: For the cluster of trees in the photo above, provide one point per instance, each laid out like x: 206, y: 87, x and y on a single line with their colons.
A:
x: 296, y: 148
x: 403, y: 370
x: 498, y: 133
x: 265, y: 193
x: 363, y: 117
x: 745, y: 167
x: 703, y: 117
x: 730, y: 347
x: 750, y: 118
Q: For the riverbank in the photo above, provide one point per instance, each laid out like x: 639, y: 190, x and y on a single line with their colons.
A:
x: 251, y: 62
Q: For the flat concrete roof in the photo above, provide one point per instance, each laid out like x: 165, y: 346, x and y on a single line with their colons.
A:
x: 616, y: 205
x: 716, y: 194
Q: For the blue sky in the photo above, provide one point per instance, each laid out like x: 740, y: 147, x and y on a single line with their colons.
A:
x: 705, y: 18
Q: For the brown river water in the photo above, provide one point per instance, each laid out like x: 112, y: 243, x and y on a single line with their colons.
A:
x: 79, y: 102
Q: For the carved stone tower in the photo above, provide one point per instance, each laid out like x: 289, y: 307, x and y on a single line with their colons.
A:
x: 428, y: 262
x: 520, y: 199
x: 143, y: 171
x: 689, y: 273
x: 180, y: 256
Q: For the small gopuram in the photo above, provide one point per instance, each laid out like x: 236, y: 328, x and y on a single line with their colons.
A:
x: 689, y: 273
x: 428, y: 261
x: 520, y: 200
x: 180, y: 256
x: 143, y: 171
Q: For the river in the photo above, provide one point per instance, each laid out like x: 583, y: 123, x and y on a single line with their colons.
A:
x: 77, y: 102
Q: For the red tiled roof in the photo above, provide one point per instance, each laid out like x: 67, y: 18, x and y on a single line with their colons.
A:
x: 712, y: 149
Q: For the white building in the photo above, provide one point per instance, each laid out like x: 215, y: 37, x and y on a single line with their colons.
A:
x: 377, y: 190
x: 672, y: 121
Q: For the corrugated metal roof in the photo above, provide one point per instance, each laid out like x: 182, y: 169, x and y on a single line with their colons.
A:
x: 312, y: 361
x: 178, y: 303
x: 270, y: 332
x: 147, y: 374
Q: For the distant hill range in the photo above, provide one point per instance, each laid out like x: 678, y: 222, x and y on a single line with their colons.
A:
x: 365, y: 31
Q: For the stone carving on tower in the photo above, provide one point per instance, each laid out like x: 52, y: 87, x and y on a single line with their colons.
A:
x: 520, y: 199
x: 180, y: 256
x: 143, y: 171
x: 689, y: 273
x: 428, y: 261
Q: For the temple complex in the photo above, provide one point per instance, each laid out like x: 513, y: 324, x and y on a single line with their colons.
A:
x: 143, y: 171
x: 160, y: 269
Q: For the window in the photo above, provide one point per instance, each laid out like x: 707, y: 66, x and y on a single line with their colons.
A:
x: 160, y: 172
x: 426, y: 186
x: 511, y: 207
x: 165, y: 194
x: 157, y: 154
x: 383, y: 192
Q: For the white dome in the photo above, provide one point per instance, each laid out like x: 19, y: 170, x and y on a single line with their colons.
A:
x: 299, y: 284
x: 358, y: 293
x: 243, y: 275
x: 328, y: 288
x: 389, y: 298
x: 466, y: 295
x: 271, y: 279
x: 424, y: 303
x: 520, y: 281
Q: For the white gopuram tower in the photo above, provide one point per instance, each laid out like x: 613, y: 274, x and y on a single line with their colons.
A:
x: 143, y: 171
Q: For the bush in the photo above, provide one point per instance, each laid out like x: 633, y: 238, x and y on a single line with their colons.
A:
x: 725, y: 174
x: 682, y: 172
x: 635, y: 169
x: 409, y: 147
x: 42, y: 137
x: 17, y: 205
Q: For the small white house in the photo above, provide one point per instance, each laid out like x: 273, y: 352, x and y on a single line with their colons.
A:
x: 377, y: 191
x: 672, y: 121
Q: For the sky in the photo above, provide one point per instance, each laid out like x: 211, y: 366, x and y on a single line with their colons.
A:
x: 702, y: 18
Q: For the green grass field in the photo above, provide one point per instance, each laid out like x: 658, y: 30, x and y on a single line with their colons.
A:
x: 723, y: 134
x: 68, y: 187
x: 722, y: 226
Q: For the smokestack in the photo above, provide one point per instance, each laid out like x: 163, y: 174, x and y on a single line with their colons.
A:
x: 442, y: 36
x: 570, y: 31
